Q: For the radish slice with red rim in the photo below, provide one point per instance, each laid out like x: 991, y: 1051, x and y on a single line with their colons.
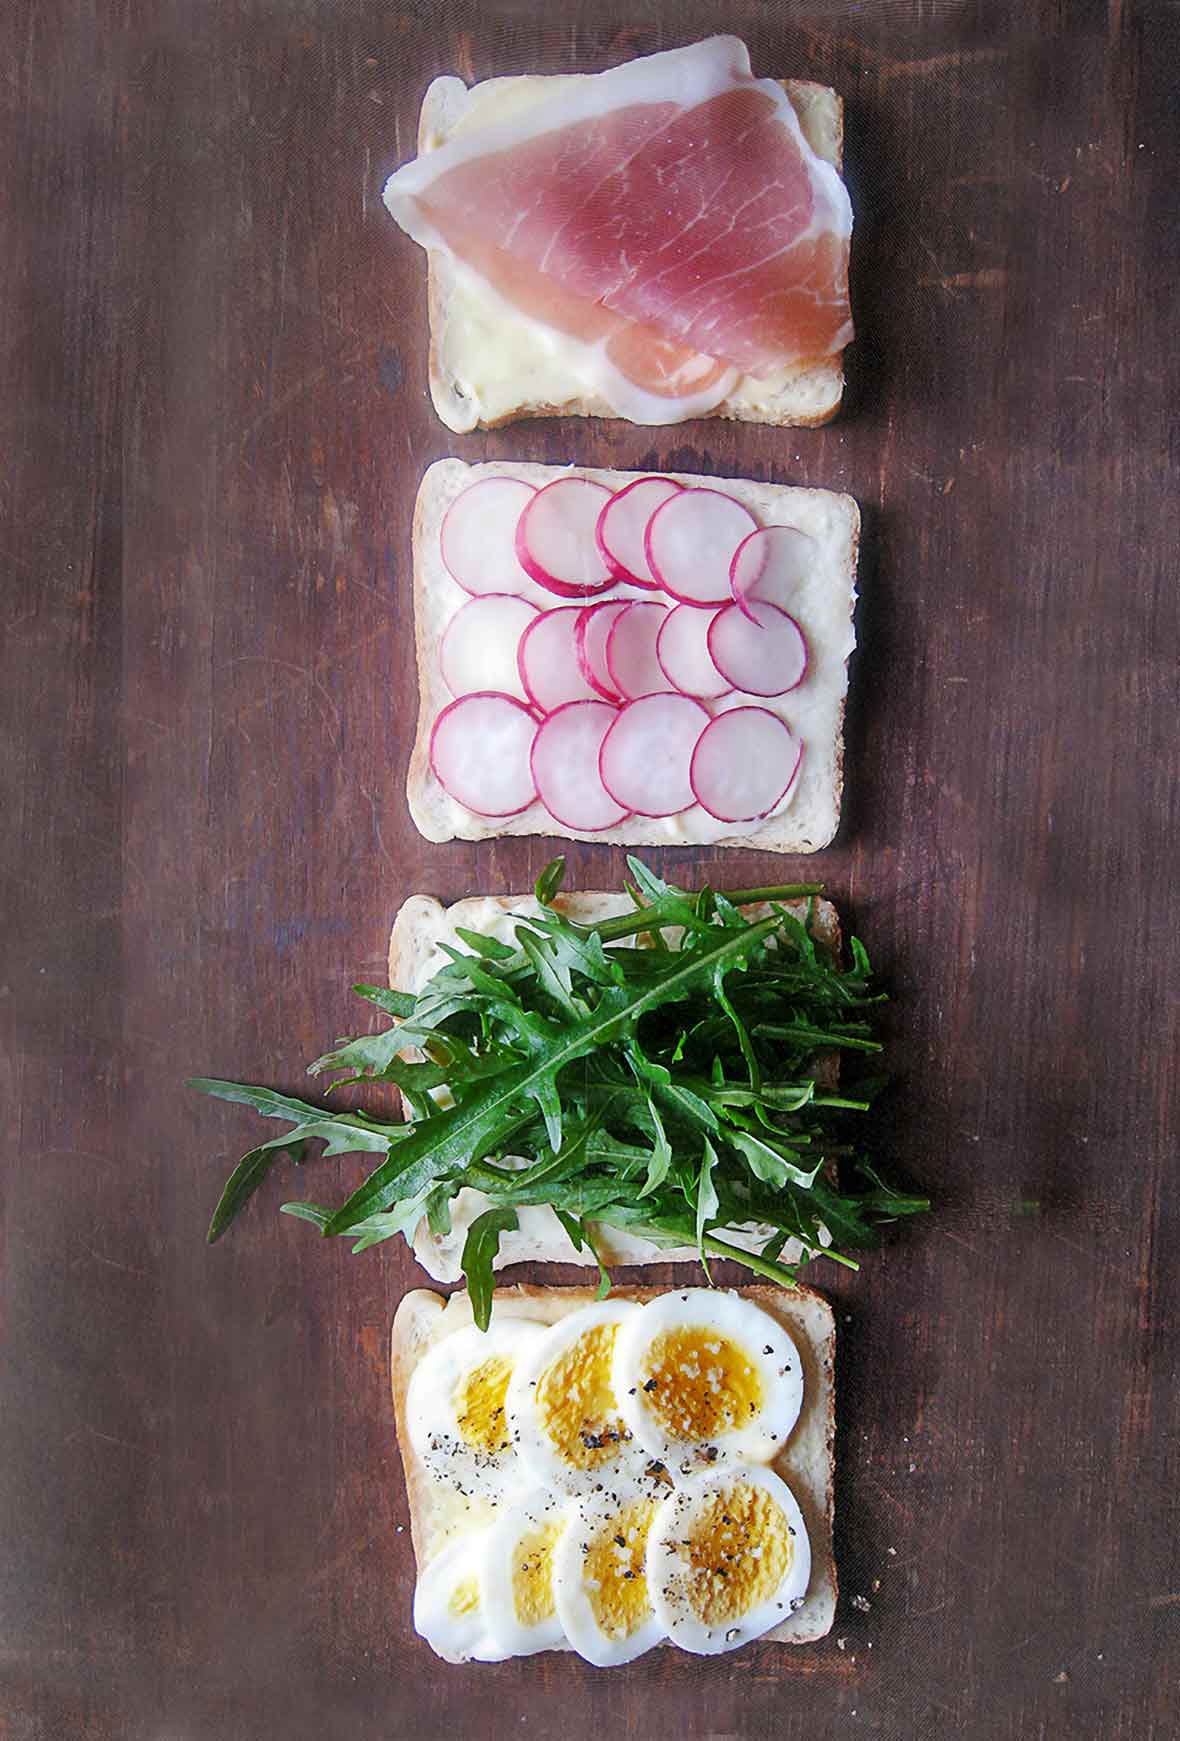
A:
x: 565, y: 767
x: 744, y: 764
x: 548, y: 659
x: 760, y: 649
x: 477, y: 540
x: 479, y: 645
x: 631, y: 650
x: 555, y: 541
x: 594, y: 625
x: 772, y: 564
x: 690, y: 543
x: 479, y: 752
x: 647, y: 752
x: 622, y: 528
x: 682, y: 648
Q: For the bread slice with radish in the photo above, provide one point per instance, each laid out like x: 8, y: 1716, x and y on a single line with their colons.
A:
x: 581, y: 634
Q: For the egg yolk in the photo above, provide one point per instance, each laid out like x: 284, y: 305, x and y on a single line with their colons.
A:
x: 614, y: 1575
x: 464, y: 1598
x: 532, y: 1574
x: 697, y: 1384
x: 576, y: 1401
x: 479, y: 1406
x: 739, y: 1550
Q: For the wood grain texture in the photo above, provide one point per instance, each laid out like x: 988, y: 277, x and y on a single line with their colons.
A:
x: 214, y: 416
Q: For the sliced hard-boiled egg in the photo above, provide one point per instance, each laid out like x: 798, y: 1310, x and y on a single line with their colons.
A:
x: 516, y: 1592
x: 705, y: 1378
x: 600, y: 1578
x: 456, y: 1407
x: 563, y: 1412
x: 728, y: 1557
x: 447, y: 1611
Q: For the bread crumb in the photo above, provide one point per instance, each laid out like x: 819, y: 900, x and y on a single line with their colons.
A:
x: 861, y: 1604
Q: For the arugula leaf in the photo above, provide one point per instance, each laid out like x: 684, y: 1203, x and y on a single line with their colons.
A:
x: 658, y: 1072
x: 479, y: 1250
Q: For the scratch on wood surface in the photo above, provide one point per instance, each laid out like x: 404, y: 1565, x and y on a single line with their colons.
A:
x: 1169, y: 1599
x: 990, y: 278
x: 110, y: 1439
x: 113, y: 1262
x: 939, y: 63
x: 465, y: 57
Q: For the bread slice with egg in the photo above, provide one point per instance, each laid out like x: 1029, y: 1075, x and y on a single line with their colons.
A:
x: 486, y: 368
x: 438, y: 1515
x: 807, y: 820
x: 421, y: 926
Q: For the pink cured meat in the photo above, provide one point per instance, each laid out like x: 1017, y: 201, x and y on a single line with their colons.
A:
x: 675, y: 195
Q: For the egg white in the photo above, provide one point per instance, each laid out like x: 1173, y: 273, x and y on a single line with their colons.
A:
x: 705, y: 1379
x: 444, y: 1613
x: 472, y: 1454
x: 599, y: 1569
x: 523, y: 1536
x: 711, y: 1540
x: 567, y: 1367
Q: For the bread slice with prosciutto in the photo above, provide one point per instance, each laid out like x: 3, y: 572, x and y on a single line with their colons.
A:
x: 662, y: 241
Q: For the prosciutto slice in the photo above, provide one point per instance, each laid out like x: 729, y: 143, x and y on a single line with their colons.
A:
x: 667, y: 219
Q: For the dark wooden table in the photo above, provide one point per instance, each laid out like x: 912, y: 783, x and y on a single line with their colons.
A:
x: 214, y: 417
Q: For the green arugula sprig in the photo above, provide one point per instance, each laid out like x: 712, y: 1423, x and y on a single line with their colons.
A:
x: 673, y: 1090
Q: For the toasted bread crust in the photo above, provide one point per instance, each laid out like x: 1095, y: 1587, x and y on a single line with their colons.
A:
x: 807, y: 1462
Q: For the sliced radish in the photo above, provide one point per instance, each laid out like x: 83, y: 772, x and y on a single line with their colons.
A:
x: 478, y: 649
x: 594, y: 625
x: 759, y: 648
x: 555, y: 540
x: 622, y: 528
x: 744, y: 764
x: 565, y: 766
x: 479, y: 751
x: 772, y: 564
x: 478, y: 535
x: 690, y: 544
x: 646, y: 754
x: 548, y: 659
x: 682, y: 648
x: 631, y: 650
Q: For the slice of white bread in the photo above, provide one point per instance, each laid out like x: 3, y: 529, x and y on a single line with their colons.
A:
x: 422, y: 924
x: 806, y: 1462
x: 823, y: 606
x: 487, y: 366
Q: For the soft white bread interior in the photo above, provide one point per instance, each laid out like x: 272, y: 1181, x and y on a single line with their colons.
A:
x: 486, y: 365
x: 806, y: 1462
x: 808, y: 818
x: 422, y: 924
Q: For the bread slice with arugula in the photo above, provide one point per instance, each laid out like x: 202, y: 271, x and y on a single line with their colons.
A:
x: 670, y: 1093
x: 422, y: 933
